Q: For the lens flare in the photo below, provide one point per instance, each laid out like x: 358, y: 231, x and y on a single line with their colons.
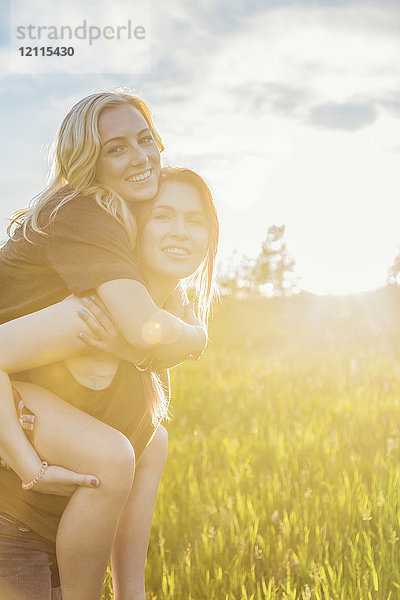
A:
x: 154, y: 332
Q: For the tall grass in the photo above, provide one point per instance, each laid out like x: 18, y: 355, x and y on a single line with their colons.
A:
x: 282, y: 479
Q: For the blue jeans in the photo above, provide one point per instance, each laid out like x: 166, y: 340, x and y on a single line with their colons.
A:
x: 28, y: 564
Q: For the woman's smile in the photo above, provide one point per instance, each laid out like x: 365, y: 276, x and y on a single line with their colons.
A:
x: 177, y: 252
x: 140, y: 177
x: 175, y: 237
x: 129, y: 159
x: 113, y: 233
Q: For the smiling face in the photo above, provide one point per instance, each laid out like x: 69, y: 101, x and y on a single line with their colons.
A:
x: 129, y: 159
x: 174, y: 240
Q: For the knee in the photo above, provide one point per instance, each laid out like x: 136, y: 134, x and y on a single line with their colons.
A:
x: 117, y: 463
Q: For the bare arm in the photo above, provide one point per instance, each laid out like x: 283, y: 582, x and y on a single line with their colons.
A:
x: 148, y: 327
x: 51, y: 334
x: 104, y: 336
x: 41, y: 338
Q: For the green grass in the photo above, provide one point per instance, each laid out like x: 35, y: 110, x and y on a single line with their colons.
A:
x: 282, y: 479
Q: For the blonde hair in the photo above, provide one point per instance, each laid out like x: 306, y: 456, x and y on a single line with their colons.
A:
x: 203, y: 280
x: 77, y: 148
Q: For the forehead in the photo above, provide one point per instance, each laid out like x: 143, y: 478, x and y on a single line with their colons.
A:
x: 121, y: 121
x: 179, y: 195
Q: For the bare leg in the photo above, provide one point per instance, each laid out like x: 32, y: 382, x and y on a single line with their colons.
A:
x: 70, y: 438
x: 130, y: 547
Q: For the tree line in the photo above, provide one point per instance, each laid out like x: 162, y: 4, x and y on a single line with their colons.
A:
x: 272, y: 272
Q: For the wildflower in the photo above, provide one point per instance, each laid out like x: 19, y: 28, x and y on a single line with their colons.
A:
x: 381, y: 499
x: 367, y: 515
x: 308, y: 493
x: 275, y: 516
x: 307, y: 592
x: 393, y: 537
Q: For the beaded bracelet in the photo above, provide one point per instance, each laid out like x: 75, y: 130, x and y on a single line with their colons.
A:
x: 28, y: 486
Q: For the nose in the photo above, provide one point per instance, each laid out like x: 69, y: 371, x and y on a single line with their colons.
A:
x: 179, y: 229
x: 138, y: 156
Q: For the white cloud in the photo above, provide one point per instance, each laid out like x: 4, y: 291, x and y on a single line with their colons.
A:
x: 237, y: 107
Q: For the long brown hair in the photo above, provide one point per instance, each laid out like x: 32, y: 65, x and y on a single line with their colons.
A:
x: 203, y: 280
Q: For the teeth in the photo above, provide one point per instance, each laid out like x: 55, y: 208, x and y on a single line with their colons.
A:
x: 139, y: 177
x: 176, y: 251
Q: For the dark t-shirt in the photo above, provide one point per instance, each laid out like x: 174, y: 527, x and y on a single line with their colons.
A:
x: 84, y: 247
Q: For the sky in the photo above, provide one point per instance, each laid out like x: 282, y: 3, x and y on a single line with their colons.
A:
x: 289, y: 110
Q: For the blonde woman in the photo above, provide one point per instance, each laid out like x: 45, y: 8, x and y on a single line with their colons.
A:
x: 79, y: 237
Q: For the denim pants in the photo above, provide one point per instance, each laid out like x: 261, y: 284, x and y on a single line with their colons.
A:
x: 28, y: 564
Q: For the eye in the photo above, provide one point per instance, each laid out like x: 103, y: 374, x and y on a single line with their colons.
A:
x: 162, y: 217
x: 146, y: 140
x: 116, y: 149
x: 200, y: 221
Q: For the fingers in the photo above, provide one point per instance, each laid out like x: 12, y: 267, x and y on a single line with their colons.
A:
x: 94, y: 326
x: 99, y: 302
x: 98, y: 311
x: 93, y: 342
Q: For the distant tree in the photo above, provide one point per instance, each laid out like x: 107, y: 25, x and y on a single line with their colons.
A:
x: 393, y: 276
x: 271, y: 273
x: 233, y: 279
x: 273, y: 270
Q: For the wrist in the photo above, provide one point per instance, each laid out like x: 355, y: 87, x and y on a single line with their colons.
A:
x: 26, y: 464
x: 28, y: 485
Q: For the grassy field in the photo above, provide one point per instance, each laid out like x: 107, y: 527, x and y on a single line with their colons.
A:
x: 283, y: 475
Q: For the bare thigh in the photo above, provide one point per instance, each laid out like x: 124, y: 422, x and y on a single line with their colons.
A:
x: 68, y: 437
